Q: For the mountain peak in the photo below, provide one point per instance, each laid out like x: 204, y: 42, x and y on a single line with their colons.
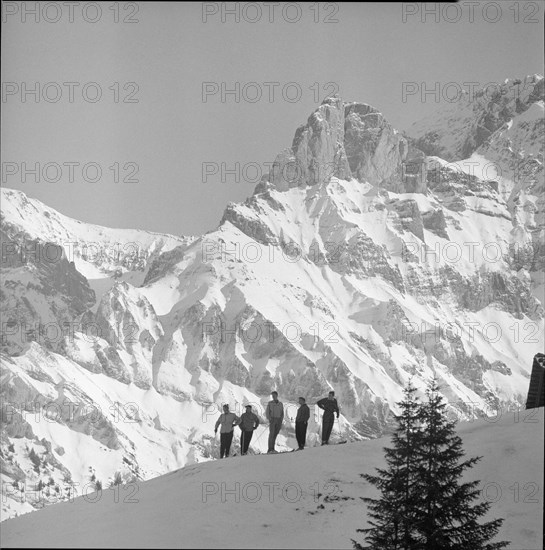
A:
x: 334, y: 100
x: 456, y: 131
x: 345, y: 140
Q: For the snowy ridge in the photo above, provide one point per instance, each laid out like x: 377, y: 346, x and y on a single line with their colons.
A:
x: 455, y: 130
x: 96, y: 250
x: 309, y: 499
x: 497, y: 135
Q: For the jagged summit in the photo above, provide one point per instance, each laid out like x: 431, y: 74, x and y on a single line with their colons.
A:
x: 346, y: 140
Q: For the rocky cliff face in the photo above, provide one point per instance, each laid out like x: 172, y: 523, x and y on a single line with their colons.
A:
x: 358, y: 264
x: 42, y: 294
x: 496, y: 135
x: 461, y: 127
x: 351, y: 140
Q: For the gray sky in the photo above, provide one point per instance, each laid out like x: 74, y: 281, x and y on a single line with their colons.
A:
x: 168, y: 132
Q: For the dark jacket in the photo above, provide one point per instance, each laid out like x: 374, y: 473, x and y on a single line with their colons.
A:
x: 329, y: 406
x: 303, y: 414
x: 248, y: 421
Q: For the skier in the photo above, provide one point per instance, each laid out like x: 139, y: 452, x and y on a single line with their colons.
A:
x: 275, y: 416
x: 301, y: 421
x: 248, y: 423
x: 329, y: 406
x: 228, y: 421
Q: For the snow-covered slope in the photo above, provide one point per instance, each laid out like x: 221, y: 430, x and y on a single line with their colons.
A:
x: 309, y: 499
x: 96, y: 251
x: 357, y: 264
x: 497, y: 134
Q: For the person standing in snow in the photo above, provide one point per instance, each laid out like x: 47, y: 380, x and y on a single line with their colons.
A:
x: 329, y: 406
x: 228, y: 421
x: 275, y: 416
x: 301, y: 422
x: 248, y: 423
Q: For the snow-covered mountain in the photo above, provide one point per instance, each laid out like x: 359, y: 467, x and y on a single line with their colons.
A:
x: 497, y: 134
x: 95, y: 250
x: 309, y: 499
x: 359, y: 263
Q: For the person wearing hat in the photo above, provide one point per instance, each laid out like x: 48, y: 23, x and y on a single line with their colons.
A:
x: 275, y: 416
x: 248, y: 423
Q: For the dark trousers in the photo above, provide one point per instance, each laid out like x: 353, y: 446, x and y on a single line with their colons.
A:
x: 245, y: 438
x: 301, y: 434
x: 225, y: 443
x: 274, y: 429
x: 327, y: 426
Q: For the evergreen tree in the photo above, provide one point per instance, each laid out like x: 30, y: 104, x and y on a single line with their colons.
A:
x: 447, y: 516
x: 423, y: 505
x: 392, y: 514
